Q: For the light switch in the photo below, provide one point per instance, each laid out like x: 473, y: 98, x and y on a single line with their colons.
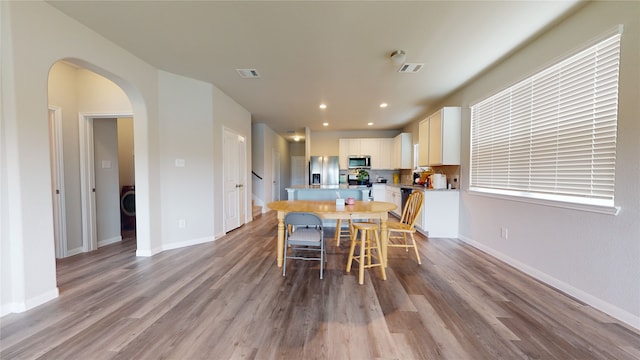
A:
x: 106, y: 164
x: 180, y: 162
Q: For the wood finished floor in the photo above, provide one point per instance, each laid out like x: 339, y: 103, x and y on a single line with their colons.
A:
x: 228, y: 300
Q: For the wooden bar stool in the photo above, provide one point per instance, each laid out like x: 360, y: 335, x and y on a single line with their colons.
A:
x: 342, y: 232
x: 367, y: 242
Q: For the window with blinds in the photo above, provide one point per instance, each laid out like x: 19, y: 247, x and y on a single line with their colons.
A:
x: 552, y: 136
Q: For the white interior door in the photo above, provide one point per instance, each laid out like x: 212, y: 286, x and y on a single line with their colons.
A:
x: 57, y: 181
x: 107, y: 184
x: 234, y: 174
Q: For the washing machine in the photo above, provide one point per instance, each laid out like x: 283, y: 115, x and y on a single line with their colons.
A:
x: 128, y: 207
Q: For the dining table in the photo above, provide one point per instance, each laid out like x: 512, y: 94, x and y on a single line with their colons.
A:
x: 329, y: 209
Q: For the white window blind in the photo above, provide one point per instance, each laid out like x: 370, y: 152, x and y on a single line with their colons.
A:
x: 552, y: 136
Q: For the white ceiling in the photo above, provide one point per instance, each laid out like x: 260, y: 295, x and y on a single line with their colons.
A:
x: 333, y: 52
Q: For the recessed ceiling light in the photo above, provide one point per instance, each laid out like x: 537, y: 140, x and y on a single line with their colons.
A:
x: 383, y: 105
x: 369, y: 124
x: 296, y: 138
x: 323, y: 106
x: 325, y: 124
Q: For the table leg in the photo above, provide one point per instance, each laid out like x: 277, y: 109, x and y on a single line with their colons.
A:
x: 384, y: 237
x: 281, y: 215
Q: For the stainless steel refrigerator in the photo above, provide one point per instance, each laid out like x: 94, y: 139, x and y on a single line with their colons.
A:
x: 324, y: 170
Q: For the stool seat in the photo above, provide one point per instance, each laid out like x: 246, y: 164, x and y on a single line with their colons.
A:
x: 367, y: 243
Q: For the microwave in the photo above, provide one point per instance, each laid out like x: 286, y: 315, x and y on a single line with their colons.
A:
x: 359, y: 162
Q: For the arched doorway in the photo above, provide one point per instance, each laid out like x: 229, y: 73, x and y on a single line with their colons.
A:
x: 73, y: 88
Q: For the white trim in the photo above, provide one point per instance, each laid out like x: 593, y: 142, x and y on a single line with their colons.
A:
x: 562, y: 286
x: 75, y: 251
x: 112, y: 240
x: 181, y: 244
x: 87, y: 173
x: 60, y: 213
x: 18, y: 307
x: 608, y: 210
x: 148, y: 253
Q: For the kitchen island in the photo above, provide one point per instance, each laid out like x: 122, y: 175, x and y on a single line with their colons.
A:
x: 328, y: 192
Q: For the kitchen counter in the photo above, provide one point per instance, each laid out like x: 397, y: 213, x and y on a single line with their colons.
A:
x: 327, y: 192
x: 325, y: 187
x: 418, y: 187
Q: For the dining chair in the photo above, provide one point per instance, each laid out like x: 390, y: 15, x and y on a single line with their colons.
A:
x: 399, y: 230
x: 304, y: 233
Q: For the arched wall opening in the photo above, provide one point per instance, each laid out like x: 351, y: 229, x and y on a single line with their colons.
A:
x: 86, y: 93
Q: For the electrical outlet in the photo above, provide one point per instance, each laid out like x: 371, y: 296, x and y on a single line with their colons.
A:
x: 504, y: 233
x: 182, y: 223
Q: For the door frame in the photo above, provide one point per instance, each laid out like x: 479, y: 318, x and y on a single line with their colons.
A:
x: 87, y: 176
x: 57, y: 177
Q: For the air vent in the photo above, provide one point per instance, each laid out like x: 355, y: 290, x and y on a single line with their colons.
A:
x: 411, y: 68
x: 248, y: 73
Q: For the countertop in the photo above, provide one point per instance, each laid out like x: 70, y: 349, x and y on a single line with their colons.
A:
x: 327, y: 187
x: 413, y: 186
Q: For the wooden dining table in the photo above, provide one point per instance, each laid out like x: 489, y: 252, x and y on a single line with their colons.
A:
x: 329, y: 210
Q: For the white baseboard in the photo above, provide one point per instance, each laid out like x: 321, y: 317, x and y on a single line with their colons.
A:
x: 112, y: 240
x: 75, y: 251
x: 581, y: 295
x: 18, y: 307
x: 191, y: 242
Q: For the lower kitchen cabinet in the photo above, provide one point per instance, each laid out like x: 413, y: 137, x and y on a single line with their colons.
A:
x: 439, y: 218
x: 394, y: 196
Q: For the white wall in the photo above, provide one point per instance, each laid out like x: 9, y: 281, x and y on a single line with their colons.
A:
x: 62, y: 92
x: 186, y: 117
x: 228, y: 113
x: 594, y: 257
x: 271, y: 141
x: 79, y: 90
x: 34, y: 37
x: 126, y: 159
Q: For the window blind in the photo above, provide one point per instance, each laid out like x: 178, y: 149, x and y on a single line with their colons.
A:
x: 553, y: 135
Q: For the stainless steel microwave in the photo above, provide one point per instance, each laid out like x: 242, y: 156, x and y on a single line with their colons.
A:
x: 359, y: 162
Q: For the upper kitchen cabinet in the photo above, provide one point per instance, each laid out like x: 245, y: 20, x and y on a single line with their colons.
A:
x: 423, y: 142
x: 385, y: 160
x: 440, y: 138
x: 402, y: 149
x: 380, y: 150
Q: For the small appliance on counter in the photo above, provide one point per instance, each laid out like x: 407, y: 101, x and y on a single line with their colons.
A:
x: 438, y: 181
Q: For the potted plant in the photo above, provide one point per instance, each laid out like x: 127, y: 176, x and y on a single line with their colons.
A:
x: 362, y: 176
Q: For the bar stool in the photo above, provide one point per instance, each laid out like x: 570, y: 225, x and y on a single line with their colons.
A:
x: 342, y: 232
x: 367, y: 242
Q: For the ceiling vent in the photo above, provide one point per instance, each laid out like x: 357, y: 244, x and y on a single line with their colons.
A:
x: 248, y: 73
x: 411, y: 68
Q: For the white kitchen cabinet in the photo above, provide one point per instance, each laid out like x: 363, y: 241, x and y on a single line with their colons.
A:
x: 378, y: 192
x: 423, y: 142
x: 440, y: 214
x: 394, y: 196
x: 439, y: 138
x: 348, y: 147
x: 380, y: 150
x: 402, y: 149
x: 444, y: 137
x: 385, y: 157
